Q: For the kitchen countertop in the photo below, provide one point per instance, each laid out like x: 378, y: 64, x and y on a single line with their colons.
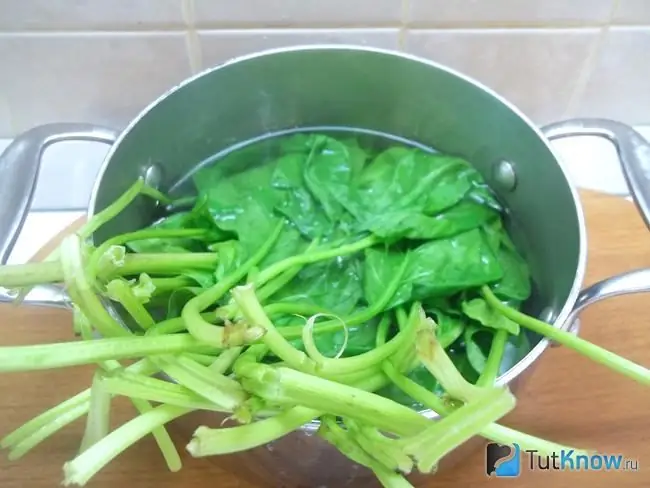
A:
x: 592, y: 163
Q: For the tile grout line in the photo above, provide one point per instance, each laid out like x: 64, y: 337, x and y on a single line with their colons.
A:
x: 404, y: 20
x: 589, y: 65
x: 403, y: 24
x: 193, y: 43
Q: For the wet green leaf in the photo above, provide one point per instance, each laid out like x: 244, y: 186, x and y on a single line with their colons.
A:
x: 479, y: 310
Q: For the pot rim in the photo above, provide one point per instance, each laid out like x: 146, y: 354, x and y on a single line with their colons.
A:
x: 560, y: 320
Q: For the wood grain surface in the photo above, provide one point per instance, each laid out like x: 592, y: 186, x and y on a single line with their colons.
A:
x: 568, y: 399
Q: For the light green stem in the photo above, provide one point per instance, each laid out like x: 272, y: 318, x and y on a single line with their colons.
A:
x: 210, y: 442
x: 213, y: 334
x: 81, y: 290
x: 26, y: 444
x: 440, y: 365
x: 311, y: 257
x: 162, y: 264
x: 567, y: 339
x: 224, y: 393
x: 122, y: 292
x: 284, y: 385
x: 159, y: 391
x: 443, y: 436
x: 18, y: 275
x: 253, y: 312
x: 82, y: 468
x: 61, y: 355
x: 335, y: 435
x: 494, y: 432
x: 99, y: 416
x: 493, y: 363
x: 142, y: 234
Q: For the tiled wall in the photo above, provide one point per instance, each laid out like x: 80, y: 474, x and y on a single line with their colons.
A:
x: 102, y: 61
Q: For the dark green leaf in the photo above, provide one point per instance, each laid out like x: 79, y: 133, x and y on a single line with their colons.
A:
x: 492, y: 231
x: 380, y: 267
x: 242, y: 200
x: 450, y: 328
x: 361, y: 339
x: 479, y: 310
x: 205, y: 279
x: 289, y: 243
x: 516, y: 349
x: 297, y: 203
x: 461, y: 361
x: 405, y: 179
x: 464, y: 216
x: 327, y: 170
x: 198, y: 218
x: 515, y: 284
x: 334, y: 285
x: 447, y: 266
x: 436, y: 269
x: 477, y: 345
x: 178, y: 299
x: 231, y: 255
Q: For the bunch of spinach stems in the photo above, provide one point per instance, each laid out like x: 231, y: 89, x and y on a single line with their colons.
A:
x: 339, y: 283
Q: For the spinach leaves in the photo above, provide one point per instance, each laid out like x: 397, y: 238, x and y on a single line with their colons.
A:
x: 429, y: 214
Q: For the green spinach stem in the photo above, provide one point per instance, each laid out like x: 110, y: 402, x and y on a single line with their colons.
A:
x: 493, y: 363
x: 87, y: 464
x: 210, y: 442
x: 588, y: 349
x: 311, y: 257
x: 64, y: 354
x: 213, y: 334
x: 285, y: 385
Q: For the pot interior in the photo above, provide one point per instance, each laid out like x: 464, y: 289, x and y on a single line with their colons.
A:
x: 341, y: 87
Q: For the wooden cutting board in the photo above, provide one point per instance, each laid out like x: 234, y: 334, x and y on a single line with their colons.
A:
x: 568, y: 399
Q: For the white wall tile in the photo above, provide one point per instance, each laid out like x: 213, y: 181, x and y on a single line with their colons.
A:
x: 296, y: 13
x: 220, y: 46
x: 536, y: 69
x: 89, y: 14
x: 105, y: 78
x: 619, y: 86
x: 5, y: 117
x: 505, y: 12
x: 632, y: 12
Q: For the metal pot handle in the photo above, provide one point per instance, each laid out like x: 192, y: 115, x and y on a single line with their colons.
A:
x: 634, y: 153
x: 19, y: 167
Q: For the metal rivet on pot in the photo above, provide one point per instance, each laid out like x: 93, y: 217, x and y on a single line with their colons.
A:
x: 504, y: 176
x: 153, y: 175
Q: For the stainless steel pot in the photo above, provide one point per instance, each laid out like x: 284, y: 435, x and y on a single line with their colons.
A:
x: 390, y: 92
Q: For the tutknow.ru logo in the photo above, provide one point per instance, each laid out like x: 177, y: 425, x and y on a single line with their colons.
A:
x: 505, y: 461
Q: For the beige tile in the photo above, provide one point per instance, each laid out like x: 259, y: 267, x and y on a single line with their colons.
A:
x: 509, y: 12
x: 219, y: 46
x: 90, y: 14
x: 296, y: 13
x: 632, y: 12
x: 533, y: 68
x: 618, y: 87
x: 103, y: 78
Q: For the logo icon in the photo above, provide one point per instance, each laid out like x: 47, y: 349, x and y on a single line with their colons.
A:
x: 503, y: 461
